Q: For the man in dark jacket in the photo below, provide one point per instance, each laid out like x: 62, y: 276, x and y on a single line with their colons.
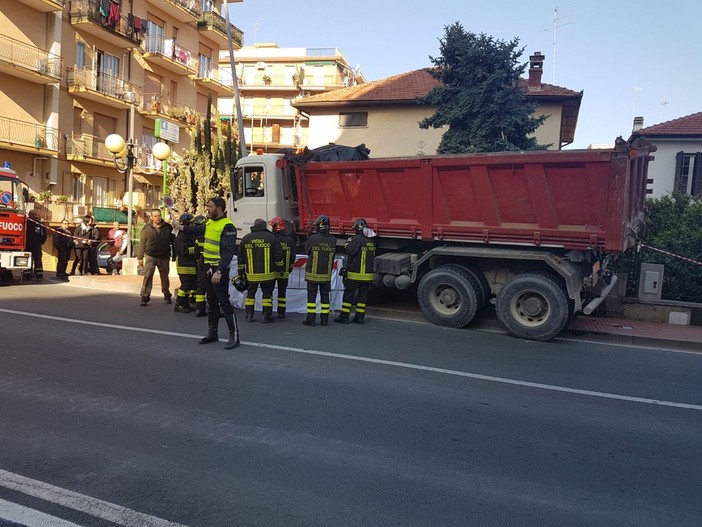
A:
x: 320, y: 249
x: 360, y: 253
x: 287, y: 245
x: 93, y: 246
x: 63, y: 242
x: 155, y: 251
x: 36, y: 236
x: 259, y: 258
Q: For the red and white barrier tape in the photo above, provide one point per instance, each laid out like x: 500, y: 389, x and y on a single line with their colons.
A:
x: 670, y: 254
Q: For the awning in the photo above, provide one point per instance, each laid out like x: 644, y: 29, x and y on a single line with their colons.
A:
x: 155, y: 180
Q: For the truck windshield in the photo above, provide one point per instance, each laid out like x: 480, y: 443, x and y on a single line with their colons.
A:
x: 11, y: 196
x: 249, y: 182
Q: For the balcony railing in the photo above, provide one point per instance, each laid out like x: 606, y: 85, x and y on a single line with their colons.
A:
x: 155, y: 103
x: 105, y: 84
x: 87, y: 146
x: 288, y: 80
x: 168, y: 48
x: 112, y: 20
x: 29, y: 57
x: 212, y: 20
x: 192, y: 6
x: 28, y: 134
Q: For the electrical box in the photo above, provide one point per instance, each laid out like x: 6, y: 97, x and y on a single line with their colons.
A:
x: 651, y: 281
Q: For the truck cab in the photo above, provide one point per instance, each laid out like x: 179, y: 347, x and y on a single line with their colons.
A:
x: 13, y: 224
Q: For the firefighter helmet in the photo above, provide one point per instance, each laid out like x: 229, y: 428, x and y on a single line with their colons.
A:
x: 277, y: 224
x: 322, y: 224
x: 240, y: 283
x: 359, y: 225
x: 186, y: 218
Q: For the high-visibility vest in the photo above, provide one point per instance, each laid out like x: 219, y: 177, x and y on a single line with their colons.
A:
x: 213, y: 235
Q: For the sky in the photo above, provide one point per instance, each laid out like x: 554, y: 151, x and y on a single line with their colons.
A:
x: 629, y: 59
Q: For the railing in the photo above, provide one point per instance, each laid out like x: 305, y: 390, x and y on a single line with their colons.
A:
x: 206, y: 72
x: 289, y: 80
x: 169, y: 49
x: 87, y: 146
x: 262, y: 110
x: 113, y: 21
x: 28, y: 134
x: 192, y: 6
x: 164, y: 105
x: 30, y: 57
x: 106, y: 84
x: 212, y: 20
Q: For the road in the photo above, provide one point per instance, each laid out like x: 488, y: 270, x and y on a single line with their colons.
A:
x: 112, y: 414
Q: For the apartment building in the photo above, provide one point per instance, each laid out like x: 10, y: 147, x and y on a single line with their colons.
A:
x: 75, y: 71
x: 271, y: 79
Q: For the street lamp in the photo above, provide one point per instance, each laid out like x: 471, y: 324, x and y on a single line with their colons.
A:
x: 120, y: 149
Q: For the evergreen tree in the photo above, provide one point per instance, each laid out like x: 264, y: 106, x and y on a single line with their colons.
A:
x: 480, y: 98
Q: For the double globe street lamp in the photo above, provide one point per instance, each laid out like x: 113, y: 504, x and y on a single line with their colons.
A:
x: 121, y: 149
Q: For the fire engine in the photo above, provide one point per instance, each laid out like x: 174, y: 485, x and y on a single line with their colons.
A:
x: 13, y: 224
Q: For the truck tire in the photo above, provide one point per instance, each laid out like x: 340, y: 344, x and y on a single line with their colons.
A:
x: 448, y: 297
x: 483, y: 288
x: 533, y: 306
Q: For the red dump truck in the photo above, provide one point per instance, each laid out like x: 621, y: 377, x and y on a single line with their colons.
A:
x: 13, y: 225
x: 534, y: 232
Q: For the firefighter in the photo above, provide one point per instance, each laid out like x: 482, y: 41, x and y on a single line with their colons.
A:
x: 360, y: 251
x: 200, y: 290
x: 36, y: 236
x: 186, y: 265
x: 320, y: 249
x: 218, y: 250
x: 260, y: 258
x: 278, y: 226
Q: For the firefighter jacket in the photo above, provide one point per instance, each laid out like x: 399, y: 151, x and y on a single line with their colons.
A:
x: 287, y: 245
x: 361, y: 253
x: 36, y: 234
x: 219, y: 246
x: 157, y: 243
x: 320, y: 249
x: 186, y: 259
x: 260, y: 255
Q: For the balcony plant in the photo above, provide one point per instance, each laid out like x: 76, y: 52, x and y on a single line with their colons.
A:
x: 62, y: 198
x: 267, y: 79
x: 45, y: 196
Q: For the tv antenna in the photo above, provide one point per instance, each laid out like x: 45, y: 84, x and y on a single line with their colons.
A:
x: 554, y: 33
x: 664, y: 103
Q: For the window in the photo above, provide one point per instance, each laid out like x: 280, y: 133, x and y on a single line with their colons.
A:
x: 353, y: 119
x: 249, y: 182
x: 688, y: 173
x: 80, y: 55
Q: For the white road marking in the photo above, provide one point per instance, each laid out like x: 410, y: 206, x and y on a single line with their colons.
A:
x: 29, y: 517
x: 419, y: 367
x: 80, y: 502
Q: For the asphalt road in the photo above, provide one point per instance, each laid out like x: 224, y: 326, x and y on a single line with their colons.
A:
x: 112, y: 414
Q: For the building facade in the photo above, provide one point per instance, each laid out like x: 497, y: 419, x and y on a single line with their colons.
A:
x: 271, y: 79
x: 678, y: 158
x: 75, y: 71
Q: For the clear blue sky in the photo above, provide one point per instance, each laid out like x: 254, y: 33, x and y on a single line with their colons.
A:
x: 628, y: 58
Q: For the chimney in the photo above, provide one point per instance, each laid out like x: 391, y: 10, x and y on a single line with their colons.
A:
x: 638, y: 124
x: 536, y: 69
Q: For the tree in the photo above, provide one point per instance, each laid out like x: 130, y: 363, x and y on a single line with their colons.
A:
x: 480, y: 98
x: 205, y: 168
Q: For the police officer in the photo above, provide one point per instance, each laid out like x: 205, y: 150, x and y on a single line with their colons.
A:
x: 218, y: 250
x: 320, y: 249
x: 360, y: 251
x: 278, y: 226
x: 36, y: 236
x: 201, y: 278
x: 260, y: 258
x: 186, y: 265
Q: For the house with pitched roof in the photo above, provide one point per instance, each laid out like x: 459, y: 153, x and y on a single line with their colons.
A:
x: 384, y: 114
x: 678, y: 164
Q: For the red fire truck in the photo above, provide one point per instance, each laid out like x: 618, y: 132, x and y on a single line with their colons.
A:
x: 13, y: 225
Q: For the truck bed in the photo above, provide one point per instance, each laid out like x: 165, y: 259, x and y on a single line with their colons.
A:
x: 572, y: 199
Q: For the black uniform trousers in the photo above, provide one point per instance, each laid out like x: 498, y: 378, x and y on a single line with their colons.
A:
x: 324, y: 289
x: 218, y: 294
x: 355, y: 292
x: 266, y: 295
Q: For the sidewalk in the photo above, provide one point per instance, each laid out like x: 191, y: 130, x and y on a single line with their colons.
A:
x: 634, y: 332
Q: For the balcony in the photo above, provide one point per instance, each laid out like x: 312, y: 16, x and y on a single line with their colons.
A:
x: 214, y: 26
x: 212, y: 81
x: 165, y: 53
x: 181, y: 10
x: 44, y: 6
x: 113, y: 27
x: 103, y: 88
x: 88, y: 149
x: 157, y: 106
x: 28, y: 137
x: 27, y: 62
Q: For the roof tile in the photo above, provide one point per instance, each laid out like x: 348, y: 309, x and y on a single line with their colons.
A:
x: 688, y: 125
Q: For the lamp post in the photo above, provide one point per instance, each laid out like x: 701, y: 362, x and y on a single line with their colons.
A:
x: 120, y: 149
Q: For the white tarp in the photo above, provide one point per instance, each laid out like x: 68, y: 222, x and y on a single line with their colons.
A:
x: 296, y: 295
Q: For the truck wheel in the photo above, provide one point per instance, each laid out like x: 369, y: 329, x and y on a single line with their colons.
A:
x: 483, y: 287
x: 533, y: 306
x: 447, y: 296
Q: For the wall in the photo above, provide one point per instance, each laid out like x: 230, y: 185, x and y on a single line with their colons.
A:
x: 662, y: 170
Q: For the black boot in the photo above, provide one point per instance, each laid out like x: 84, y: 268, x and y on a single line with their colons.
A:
x: 144, y: 301
x: 281, y: 312
x: 249, y: 313
x: 181, y: 305
x: 358, y: 319
x: 310, y: 320
x: 268, y: 315
x: 343, y: 318
x: 200, y: 309
x: 212, y: 323
x: 233, y: 341
x: 324, y: 319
